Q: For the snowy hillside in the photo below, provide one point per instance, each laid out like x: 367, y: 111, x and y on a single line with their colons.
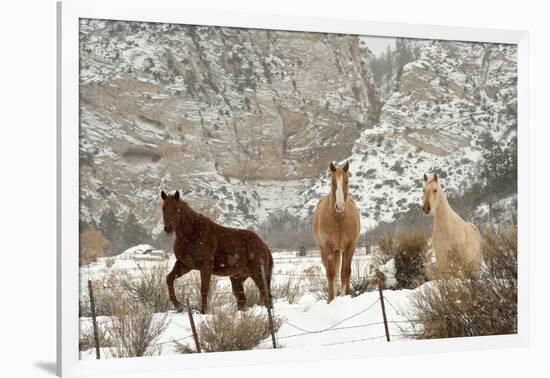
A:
x: 448, y: 98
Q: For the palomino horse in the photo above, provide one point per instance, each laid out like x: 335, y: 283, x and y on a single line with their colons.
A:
x: 336, y: 228
x: 453, y: 239
x: 204, y: 245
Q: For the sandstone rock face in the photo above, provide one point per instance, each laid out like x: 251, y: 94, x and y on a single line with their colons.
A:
x: 245, y: 122
x: 236, y: 119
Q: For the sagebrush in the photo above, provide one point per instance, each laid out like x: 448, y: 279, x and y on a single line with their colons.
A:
x: 234, y: 330
x: 148, y: 288
x: 87, y: 341
x: 135, y: 332
x: 472, y: 306
x: 410, y: 253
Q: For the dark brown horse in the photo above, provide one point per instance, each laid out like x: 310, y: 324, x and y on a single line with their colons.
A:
x: 201, y: 244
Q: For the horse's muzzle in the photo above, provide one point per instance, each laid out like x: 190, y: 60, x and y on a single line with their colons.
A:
x: 426, y: 209
x: 167, y: 229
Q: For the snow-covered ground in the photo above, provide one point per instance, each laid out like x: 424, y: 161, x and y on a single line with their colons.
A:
x: 308, y: 321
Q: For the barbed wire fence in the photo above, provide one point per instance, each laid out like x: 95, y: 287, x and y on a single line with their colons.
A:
x: 275, y: 339
x: 378, y: 279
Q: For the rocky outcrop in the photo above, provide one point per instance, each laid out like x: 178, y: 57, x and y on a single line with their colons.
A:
x: 447, y: 99
x: 244, y: 122
x: 210, y: 111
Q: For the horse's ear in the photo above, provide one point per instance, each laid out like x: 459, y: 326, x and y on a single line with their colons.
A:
x: 346, y: 166
x: 332, y: 166
x: 163, y: 195
x: 425, y: 178
x: 177, y: 195
x: 435, y: 177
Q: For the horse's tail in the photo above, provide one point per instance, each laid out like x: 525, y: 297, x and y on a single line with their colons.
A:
x: 270, y: 263
x: 268, y: 274
x: 270, y: 267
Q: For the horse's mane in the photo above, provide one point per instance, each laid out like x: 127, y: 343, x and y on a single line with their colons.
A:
x: 188, y: 215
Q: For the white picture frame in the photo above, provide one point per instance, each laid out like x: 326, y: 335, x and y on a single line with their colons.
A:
x: 171, y: 11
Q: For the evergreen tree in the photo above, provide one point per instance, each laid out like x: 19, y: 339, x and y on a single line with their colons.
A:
x: 404, y: 53
x: 109, y: 227
x: 134, y: 233
x: 499, y: 167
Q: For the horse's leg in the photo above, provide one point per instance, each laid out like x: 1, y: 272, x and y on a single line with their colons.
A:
x: 329, y: 262
x: 206, y: 274
x: 345, y: 273
x: 238, y: 291
x: 338, y: 263
x: 177, y: 271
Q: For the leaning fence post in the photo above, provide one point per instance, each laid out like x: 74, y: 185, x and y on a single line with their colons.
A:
x: 193, y: 329
x: 380, y: 281
x: 268, y: 303
x: 94, y: 321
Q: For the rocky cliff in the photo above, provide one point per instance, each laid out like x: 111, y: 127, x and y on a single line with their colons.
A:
x: 447, y: 101
x: 244, y: 122
x: 235, y: 118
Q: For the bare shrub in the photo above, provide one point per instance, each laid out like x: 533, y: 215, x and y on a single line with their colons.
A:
x: 183, y: 348
x: 189, y: 286
x: 135, y: 331
x: 319, y: 287
x: 235, y: 330
x: 86, y: 340
x: 106, y: 300
x: 386, y: 249
x: 500, y: 253
x: 473, y: 306
x: 361, y: 281
x: 410, y: 257
x: 313, y: 278
x: 289, y: 290
x: 148, y: 289
x: 409, y: 251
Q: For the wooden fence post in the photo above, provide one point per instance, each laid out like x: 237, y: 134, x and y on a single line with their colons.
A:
x: 268, y: 303
x: 193, y: 329
x: 94, y: 321
x: 380, y: 281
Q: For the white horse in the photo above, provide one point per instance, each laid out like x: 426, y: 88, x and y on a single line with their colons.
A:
x: 452, y: 238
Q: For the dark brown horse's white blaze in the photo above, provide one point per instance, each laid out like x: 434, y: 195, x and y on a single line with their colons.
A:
x: 336, y: 227
x: 201, y: 244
